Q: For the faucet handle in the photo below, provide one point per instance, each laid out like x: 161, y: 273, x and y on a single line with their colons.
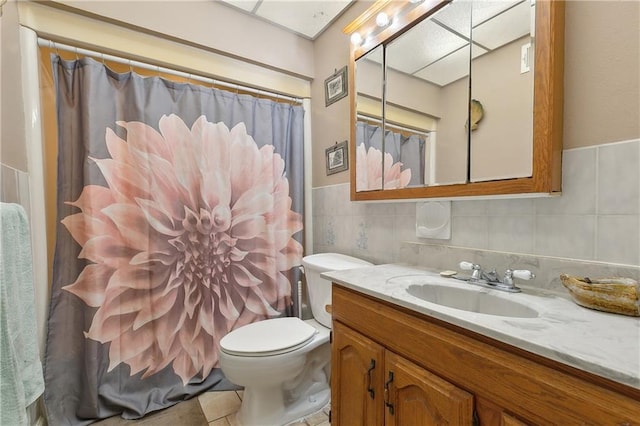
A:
x: 507, y: 282
x: 523, y: 274
x: 476, y: 275
x: 468, y: 266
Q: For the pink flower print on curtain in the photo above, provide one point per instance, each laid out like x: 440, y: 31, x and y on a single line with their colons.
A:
x: 189, y: 240
x: 369, y: 170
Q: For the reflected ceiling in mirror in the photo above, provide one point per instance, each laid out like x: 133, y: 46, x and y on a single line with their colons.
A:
x: 437, y: 50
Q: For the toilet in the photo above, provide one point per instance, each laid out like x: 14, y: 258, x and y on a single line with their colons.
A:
x: 284, y: 364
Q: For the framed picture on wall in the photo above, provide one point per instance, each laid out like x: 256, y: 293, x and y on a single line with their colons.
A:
x: 335, y: 87
x: 337, y: 158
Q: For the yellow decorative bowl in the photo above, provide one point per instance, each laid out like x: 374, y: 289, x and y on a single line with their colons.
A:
x: 615, y: 295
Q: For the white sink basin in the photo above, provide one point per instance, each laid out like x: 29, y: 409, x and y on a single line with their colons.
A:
x: 472, y: 299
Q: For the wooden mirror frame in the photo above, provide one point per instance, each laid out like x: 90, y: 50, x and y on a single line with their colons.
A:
x: 547, y: 108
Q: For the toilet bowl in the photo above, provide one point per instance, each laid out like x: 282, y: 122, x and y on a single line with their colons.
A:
x: 284, y: 364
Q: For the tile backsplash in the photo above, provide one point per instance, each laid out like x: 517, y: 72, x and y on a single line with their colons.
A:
x: 594, y: 223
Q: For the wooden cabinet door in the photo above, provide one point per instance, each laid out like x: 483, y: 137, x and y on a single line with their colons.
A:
x: 356, y: 379
x: 508, y: 420
x: 413, y: 396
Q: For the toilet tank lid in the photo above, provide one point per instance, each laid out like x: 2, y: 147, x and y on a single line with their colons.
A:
x: 333, y: 261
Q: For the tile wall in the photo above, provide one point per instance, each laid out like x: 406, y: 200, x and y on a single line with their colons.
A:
x: 595, y: 222
x: 14, y: 187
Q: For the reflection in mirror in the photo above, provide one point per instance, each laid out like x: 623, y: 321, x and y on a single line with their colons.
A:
x: 502, y: 81
x: 369, y: 85
x: 428, y: 74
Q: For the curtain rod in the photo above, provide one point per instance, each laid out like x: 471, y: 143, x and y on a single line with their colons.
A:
x: 105, y: 57
x: 395, y: 126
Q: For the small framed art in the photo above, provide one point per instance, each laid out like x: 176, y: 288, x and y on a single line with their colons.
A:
x: 337, y: 158
x: 335, y: 87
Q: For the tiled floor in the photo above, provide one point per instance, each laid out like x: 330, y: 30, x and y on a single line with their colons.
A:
x: 220, y: 407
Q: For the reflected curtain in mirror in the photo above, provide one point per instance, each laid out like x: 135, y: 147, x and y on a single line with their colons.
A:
x: 404, y: 159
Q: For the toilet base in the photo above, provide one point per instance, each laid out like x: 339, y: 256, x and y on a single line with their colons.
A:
x: 257, y: 402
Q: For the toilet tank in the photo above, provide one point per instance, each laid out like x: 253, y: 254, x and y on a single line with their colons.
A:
x: 320, y: 289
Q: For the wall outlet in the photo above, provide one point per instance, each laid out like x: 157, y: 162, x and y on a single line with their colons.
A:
x: 525, y: 58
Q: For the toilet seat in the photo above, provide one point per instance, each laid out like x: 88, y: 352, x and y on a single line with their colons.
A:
x: 269, y: 337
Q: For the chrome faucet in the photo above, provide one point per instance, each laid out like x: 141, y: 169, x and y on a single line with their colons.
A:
x: 491, y: 279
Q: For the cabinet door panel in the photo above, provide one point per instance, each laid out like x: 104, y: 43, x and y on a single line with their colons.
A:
x: 421, y: 398
x: 357, y: 368
x: 508, y: 420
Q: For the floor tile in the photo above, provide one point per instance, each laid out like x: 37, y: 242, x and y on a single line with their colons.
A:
x: 317, y: 418
x: 220, y: 422
x: 184, y: 413
x: 232, y: 420
x: 216, y: 405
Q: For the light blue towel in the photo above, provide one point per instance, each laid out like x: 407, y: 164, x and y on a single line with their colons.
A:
x: 21, y: 379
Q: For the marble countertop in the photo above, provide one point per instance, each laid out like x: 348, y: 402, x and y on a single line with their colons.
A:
x: 604, y: 344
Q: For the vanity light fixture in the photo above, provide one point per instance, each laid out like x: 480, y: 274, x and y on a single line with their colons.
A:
x: 356, y: 39
x: 382, y: 20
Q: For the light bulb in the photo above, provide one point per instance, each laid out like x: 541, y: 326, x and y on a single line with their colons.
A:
x: 356, y: 38
x: 382, y: 20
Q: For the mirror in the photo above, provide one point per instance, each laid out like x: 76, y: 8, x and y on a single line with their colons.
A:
x: 456, y: 100
x: 502, y: 90
x: 428, y: 73
x: 369, y: 83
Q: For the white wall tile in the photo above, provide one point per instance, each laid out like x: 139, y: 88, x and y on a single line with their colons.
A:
x: 470, y: 231
x: 509, y: 207
x: 617, y: 240
x: 405, y: 209
x: 318, y: 202
x: 343, y: 233
x: 469, y: 208
x: 619, y: 178
x: 599, y: 208
x: 578, y: 185
x: 511, y: 233
x: 380, y: 209
x: 567, y: 236
x: 319, y: 237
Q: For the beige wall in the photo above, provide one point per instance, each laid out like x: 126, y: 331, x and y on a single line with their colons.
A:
x: 330, y: 124
x: 602, y: 72
x: 211, y: 25
x: 12, y: 148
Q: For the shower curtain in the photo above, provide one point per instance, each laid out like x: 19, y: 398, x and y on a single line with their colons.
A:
x: 179, y: 219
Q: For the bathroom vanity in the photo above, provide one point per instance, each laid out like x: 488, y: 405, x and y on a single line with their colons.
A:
x: 399, y: 359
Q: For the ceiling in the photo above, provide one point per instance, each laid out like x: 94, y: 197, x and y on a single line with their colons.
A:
x: 307, y: 18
